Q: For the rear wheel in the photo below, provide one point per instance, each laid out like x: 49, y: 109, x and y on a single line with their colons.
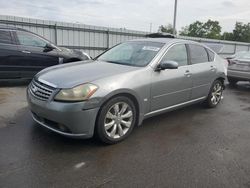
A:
x: 116, y: 120
x: 215, y: 94
x: 232, y: 81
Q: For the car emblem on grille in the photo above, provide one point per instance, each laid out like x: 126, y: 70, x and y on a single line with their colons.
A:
x: 34, y: 89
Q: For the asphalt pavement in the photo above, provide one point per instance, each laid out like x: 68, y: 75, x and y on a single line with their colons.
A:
x: 191, y: 147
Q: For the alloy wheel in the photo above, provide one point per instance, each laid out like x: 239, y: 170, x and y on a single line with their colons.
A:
x: 216, y: 94
x: 118, y: 120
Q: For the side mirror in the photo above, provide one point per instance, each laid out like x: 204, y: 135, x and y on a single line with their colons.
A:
x: 48, y: 47
x: 167, y: 65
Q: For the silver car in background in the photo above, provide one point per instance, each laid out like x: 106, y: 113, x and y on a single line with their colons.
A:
x: 119, y: 89
x: 239, y: 67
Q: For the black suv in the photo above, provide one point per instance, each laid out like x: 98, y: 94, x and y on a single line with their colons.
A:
x: 23, y: 53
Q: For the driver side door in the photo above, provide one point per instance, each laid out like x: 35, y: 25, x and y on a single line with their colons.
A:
x: 33, y: 57
x: 171, y: 87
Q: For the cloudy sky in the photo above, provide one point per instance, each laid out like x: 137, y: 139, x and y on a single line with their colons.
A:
x: 131, y: 14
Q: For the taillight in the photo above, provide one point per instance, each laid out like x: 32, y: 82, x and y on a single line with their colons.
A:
x: 231, y: 62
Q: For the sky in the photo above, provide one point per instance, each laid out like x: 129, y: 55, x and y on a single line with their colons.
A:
x: 131, y: 14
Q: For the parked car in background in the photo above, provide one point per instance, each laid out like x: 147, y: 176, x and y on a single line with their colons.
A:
x: 123, y: 86
x: 239, y: 67
x: 23, y: 53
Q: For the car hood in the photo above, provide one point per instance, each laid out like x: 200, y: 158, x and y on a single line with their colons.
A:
x: 73, y: 53
x: 73, y: 74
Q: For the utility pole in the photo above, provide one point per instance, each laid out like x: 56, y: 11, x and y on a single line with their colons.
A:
x: 175, y: 14
x: 150, y: 28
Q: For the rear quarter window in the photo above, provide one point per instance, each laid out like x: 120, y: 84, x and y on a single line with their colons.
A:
x: 5, y: 37
x: 198, y: 54
x: 211, y: 55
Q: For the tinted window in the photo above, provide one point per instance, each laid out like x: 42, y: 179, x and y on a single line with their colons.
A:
x: 177, y: 53
x: 211, y: 55
x: 198, y: 54
x: 28, y: 39
x: 5, y: 37
x: 137, y: 53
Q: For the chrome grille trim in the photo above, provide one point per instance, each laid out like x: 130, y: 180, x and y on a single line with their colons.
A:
x: 40, y: 90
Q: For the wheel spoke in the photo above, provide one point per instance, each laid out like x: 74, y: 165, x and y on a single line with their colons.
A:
x: 120, y: 131
x: 124, y: 108
x: 127, y: 115
x: 125, y: 123
x: 116, y: 108
x: 113, y: 132
x: 213, y: 99
x: 218, y: 89
x: 109, y: 125
x: 110, y: 115
x: 218, y: 94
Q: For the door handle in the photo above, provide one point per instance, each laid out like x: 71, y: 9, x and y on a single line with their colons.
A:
x: 213, y: 68
x: 26, y: 52
x: 187, y: 73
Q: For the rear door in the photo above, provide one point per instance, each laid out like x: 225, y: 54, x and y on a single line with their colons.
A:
x: 172, y: 87
x: 8, y: 55
x: 34, y: 57
x: 203, y: 70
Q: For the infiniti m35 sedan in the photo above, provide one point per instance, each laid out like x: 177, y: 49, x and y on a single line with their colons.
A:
x: 116, y: 91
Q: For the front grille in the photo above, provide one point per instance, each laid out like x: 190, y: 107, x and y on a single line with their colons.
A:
x: 40, y: 90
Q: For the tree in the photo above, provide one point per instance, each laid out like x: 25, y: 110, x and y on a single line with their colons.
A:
x: 209, y: 29
x: 166, y: 29
x: 212, y: 29
x: 227, y: 36
x: 240, y: 33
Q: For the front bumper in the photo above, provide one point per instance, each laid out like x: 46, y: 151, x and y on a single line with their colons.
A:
x: 68, y: 119
x: 240, y: 75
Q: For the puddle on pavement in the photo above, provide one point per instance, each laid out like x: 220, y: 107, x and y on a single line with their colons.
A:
x: 12, y: 99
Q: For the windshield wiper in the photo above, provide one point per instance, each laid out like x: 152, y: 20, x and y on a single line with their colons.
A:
x: 120, y: 63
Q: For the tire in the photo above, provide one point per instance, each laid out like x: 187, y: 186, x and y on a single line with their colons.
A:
x: 116, y: 120
x: 215, y: 94
x: 232, y: 81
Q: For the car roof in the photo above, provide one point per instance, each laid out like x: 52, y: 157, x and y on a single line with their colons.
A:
x: 9, y: 27
x: 166, y: 40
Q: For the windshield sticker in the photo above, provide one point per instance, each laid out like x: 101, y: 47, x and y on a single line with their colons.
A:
x: 151, y: 48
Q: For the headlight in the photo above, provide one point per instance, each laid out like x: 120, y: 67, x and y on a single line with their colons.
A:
x: 79, y: 93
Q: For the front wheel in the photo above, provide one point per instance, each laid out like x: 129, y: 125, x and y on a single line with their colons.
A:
x: 116, y: 120
x: 215, y: 94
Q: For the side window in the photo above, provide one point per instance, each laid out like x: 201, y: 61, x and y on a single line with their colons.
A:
x: 198, y: 54
x: 177, y: 53
x: 211, y: 55
x: 28, y: 39
x: 5, y: 37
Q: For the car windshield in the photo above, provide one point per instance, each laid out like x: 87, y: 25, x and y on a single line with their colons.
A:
x: 243, y: 55
x: 136, y: 53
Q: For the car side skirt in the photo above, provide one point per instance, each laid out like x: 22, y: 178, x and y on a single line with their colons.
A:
x: 170, y: 108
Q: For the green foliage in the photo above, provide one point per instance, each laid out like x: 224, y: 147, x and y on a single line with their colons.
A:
x: 166, y: 29
x: 240, y: 33
x: 210, y: 29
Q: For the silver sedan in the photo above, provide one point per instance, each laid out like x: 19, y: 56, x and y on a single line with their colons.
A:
x: 239, y: 67
x: 132, y: 81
